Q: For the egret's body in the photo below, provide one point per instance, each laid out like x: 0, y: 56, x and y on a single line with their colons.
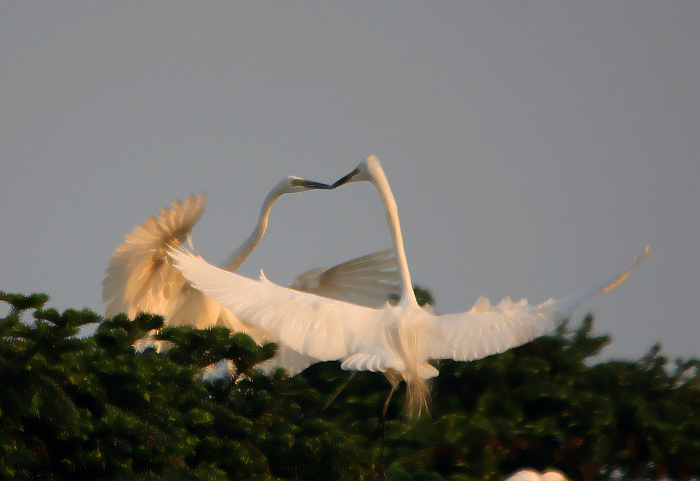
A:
x: 396, y: 340
x: 141, y: 276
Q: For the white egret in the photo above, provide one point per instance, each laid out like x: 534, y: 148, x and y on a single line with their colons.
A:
x: 532, y: 475
x: 396, y: 340
x: 141, y: 276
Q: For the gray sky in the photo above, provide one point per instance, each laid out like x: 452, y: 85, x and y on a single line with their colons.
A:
x: 534, y: 148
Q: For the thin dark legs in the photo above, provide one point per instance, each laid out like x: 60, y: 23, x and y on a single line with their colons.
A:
x: 382, y: 470
x: 339, y: 391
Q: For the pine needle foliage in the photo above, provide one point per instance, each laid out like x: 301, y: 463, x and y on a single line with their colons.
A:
x: 94, y: 408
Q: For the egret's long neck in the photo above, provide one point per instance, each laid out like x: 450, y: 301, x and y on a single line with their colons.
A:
x: 236, y: 259
x: 392, y: 218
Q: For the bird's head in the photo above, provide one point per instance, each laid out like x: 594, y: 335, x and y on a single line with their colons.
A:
x: 292, y: 184
x: 367, y: 170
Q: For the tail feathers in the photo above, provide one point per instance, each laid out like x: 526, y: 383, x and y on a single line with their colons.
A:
x: 417, y: 391
x: 417, y: 396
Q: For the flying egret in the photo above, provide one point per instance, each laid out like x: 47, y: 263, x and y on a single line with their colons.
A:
x: 141, y: 276
x: 396, y: 340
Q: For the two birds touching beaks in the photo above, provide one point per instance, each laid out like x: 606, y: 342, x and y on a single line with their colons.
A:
x: 343, y: 313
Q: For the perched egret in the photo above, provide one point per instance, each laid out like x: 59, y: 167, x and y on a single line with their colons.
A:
x: 141, y: 276
x: 396, y: 340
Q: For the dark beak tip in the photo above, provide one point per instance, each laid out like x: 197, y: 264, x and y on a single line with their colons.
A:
x: 310, y: 184
x: 344, y: 179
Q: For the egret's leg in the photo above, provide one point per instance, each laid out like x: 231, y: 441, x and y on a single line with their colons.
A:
x: 382, y: 471
x: 386, y: 403
x: 339, y: 390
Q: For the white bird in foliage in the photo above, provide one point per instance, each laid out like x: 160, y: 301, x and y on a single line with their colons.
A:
x: 141, y: 276
x: 395, y: 340
x: 532, y: 475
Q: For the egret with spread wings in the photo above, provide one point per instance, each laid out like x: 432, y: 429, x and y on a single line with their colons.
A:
x: 396, y: 340
x: 141, y: 276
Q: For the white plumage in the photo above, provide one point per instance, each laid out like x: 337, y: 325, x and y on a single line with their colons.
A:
x: 141, y: 276
x: 532, y: 475
x: 397, y: 340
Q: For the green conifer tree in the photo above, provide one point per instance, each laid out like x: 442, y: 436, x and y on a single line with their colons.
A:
x: 93, y: 407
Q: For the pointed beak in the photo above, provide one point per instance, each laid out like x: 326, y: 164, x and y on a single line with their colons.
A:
x: 310, y: 184
x: 345, y: 179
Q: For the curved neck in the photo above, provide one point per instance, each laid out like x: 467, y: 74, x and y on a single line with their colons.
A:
x: 392, y: 219
x: 246, y: 249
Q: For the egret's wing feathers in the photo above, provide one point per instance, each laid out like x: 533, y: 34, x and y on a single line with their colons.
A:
x: 487, y: 329
x: 140, y: 275
x: 194, y: 308
x: 371, y: 280
x: 379, y: 361
x: 315, y: 326
x: 382, y: 361
x: 568, y: 304
x: 288, y: 359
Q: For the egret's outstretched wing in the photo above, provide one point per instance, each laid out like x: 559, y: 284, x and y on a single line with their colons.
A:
x: 370, y: 280
x: 140, y: 275
x: 568, y: 304
x: 315, y: 326
x: 486, y: 329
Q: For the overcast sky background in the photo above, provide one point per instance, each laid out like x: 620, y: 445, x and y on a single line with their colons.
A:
x: 534, y: 148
